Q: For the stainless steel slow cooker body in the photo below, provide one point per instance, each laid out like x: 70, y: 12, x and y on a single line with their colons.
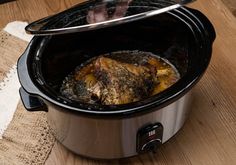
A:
x: 184, y: 36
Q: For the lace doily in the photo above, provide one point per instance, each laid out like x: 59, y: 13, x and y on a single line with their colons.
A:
x: 26, y: 138
x: 10, y: 49
x: 9, y: 98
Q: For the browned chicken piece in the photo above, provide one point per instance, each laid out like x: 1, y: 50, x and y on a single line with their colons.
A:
x: 123, y: 83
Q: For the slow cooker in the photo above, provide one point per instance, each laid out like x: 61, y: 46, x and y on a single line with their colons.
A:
x: 179, y: 34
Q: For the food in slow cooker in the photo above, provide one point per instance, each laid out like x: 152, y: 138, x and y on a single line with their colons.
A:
x: 119, y: 78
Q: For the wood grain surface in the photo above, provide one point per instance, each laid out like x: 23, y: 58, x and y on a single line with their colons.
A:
x: 209, y: 135
x: 231, y: 4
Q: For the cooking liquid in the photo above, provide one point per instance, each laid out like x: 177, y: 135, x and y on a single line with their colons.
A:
x: 84, y: 85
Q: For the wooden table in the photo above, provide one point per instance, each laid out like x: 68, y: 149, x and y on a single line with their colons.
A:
x: 209, y: 135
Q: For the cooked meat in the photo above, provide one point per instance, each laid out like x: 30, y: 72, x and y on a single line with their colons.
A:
x: 109, y: 81
x: 123, y: 83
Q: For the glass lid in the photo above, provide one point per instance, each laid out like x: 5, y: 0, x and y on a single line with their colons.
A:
x: 95, y: 14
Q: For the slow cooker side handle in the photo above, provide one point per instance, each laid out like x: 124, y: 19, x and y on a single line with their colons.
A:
x: 28, y: 91
x: 32, y: 103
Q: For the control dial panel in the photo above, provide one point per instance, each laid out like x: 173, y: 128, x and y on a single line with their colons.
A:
x: 149, y: 138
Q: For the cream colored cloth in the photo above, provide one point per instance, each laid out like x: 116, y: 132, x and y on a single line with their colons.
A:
x: 25, y: 137
x: 9, y: 86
